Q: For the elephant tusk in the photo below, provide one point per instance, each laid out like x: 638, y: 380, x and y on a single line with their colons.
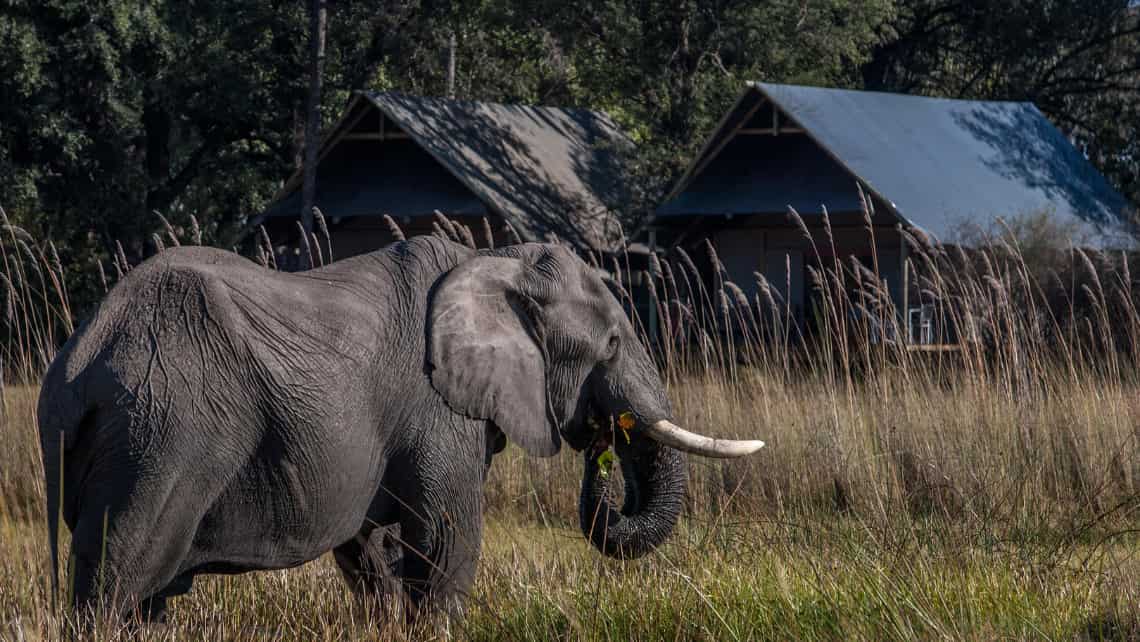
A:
x: 670, y: 434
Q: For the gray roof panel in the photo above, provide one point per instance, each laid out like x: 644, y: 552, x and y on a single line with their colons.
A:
x: 545, y: 169
x: 941, y: 163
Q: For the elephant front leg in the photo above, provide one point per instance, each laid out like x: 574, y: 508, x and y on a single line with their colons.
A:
x: 441, y: 528
x: 441, y: 553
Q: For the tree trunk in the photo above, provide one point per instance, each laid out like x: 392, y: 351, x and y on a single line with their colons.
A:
x: 313, y: 112
x: 299, y: 122
x: 451, y: 44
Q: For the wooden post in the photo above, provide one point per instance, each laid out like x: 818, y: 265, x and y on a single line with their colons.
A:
x: 905, y: 283
x: 451, y: 44
x: 649, y: 274
x: 313, y: 113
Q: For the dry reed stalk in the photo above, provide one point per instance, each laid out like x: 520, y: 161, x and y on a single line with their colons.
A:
x: 195, y: 231
x: 689, y: 269
x: 323, y: 228
x: 308, y: 248
x: 62, y: 305
x: 121, y: 257
x: 468, y: 237
x: 316, y: 245
x: 268, y: 247
x: 660, y: 303
x: 664, y: 331
x: 488, y: 236
x: 438, y: 231
x: 168, y: 229
x: 394, y: 229
x: 102, y: 275
x: 57, y: 268
x: 718, y: 281
x: 40, y: 333
x: 450, y: 231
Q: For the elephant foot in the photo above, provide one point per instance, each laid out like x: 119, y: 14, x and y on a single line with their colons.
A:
x: 152, y: 611
x: 371, y: 563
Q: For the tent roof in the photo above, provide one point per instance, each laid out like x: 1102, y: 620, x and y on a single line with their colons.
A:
x: 546, y: 170
x: 937, y: 163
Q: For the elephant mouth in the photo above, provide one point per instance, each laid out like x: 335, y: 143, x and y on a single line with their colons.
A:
x: 590, y: 430
x: 602, y: 441
x: 599, y: 434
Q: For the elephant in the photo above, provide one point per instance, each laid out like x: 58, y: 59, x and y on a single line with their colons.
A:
x: 216, y: 416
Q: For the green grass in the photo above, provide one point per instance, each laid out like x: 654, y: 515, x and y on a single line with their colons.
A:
x: 756, y: 582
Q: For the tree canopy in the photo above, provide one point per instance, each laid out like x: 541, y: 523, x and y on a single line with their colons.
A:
x: 114, y: 110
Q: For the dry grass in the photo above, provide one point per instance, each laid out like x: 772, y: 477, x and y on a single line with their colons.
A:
x: 972, y: 549
x: 900, y: 497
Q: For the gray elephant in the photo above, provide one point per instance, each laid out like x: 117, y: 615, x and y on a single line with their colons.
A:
x: 214, y: 416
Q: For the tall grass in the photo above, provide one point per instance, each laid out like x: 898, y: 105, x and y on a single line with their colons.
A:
x: 37, y: 309
x: 990, y: 492
x: 1031, y: 414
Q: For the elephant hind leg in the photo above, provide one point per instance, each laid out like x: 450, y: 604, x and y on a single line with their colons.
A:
x: 372, y: 562
x: 126, y: 557
x: 153, y: 609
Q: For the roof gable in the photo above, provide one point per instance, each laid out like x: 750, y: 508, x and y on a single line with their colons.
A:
x: 545, y: 170
x: 938, y: 163
x: 359, y: 177
x: 765, y: 174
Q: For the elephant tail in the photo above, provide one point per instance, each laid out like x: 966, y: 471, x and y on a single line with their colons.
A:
x: 53, y: 502
x: 60, y: 415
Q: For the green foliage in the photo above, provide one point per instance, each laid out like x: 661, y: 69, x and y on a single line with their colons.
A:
x: 1078, y: 60
x: 111, y: 111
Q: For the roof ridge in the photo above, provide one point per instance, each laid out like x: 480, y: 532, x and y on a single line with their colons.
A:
x: 759, y: 84
x: 936, y: 163
x: 471, y: 101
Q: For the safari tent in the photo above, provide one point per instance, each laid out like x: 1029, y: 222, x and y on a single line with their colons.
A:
x: 930, y: 165
x: 545, y: 171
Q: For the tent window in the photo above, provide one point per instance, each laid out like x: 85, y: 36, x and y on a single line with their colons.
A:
x: 920, y: 324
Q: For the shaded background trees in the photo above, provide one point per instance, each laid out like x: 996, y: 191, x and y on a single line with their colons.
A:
x: 1079, y: 61
x: 110, y: 113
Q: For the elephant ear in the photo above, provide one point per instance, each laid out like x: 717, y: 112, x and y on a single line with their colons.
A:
x: 484, y: 354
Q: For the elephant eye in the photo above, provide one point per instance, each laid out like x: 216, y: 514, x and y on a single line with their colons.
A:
x: 612, y: 346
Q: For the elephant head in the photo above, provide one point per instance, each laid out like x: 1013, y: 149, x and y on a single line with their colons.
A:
x: 531, y: 338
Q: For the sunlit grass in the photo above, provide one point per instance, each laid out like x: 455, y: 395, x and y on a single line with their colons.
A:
x: 755, y: 581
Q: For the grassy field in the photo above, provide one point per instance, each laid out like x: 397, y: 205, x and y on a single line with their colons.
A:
x: 991, y: 494
x: 924, y: 514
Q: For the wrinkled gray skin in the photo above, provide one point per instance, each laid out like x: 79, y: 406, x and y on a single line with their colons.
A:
x: 218, y: 417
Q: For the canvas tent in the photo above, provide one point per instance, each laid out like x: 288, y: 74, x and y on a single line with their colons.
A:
x: 545, y: 171
x: 933, y: 165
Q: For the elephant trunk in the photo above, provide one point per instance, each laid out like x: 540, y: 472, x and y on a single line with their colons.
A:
x: 654, y: 477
